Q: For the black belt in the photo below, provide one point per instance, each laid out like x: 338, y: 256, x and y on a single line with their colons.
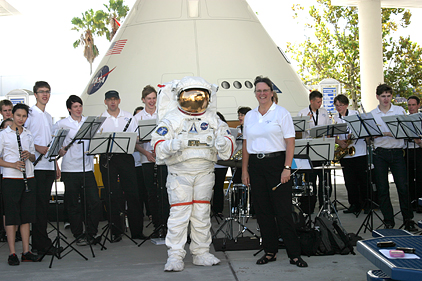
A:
x: 267, y: 155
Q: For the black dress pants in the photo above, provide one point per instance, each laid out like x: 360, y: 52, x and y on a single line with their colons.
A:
x: 273, y: 207
x: 75, y: 193
x: 44, y: 179
x: 355, y: 178
x: 121, y: 169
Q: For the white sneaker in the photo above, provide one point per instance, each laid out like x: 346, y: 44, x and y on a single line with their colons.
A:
x: 174, y: 263
x: 205, y: 259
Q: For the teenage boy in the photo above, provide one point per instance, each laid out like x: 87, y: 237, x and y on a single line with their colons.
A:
x: 388, y: 154
x: 80, y: 184
x: 40, y: 123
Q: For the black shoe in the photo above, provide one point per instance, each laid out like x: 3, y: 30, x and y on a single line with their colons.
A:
x: 388, y: 226
x: 410, y: 226
x: 93, y: 240
x: 419, y: 209
x: 81, y: 241
x: 352, y: 209
x: 30, y: 257
x: 13, y: 260
x: 49, y: 252
x: 366, y: 210
x: 116, y: 238
x: 139, y: 236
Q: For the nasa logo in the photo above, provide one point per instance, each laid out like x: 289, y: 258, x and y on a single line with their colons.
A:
x: 99, y: 79
x: 204, y: 126
x: 162, y: 131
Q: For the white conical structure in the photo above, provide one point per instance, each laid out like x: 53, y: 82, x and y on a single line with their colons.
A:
x: 219, y: 40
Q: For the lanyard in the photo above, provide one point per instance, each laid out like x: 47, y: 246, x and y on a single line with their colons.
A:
x: 315, y: 121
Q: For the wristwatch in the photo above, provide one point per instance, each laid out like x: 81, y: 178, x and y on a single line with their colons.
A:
x: 287, y: 167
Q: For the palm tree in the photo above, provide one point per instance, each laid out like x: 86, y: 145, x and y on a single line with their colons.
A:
x: 116, y: 11
x: 90, y: 26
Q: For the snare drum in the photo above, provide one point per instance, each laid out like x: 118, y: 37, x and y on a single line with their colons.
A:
x: 241, y: 200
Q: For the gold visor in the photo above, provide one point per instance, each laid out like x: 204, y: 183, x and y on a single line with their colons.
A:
x: 193, y: 100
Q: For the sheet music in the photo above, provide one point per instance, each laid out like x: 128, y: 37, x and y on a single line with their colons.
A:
x: 363, y: 125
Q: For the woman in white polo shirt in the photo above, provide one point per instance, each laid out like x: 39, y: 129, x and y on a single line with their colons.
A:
x: 268, y: 148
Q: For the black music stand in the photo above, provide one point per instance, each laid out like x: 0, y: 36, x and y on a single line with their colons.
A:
x: 145, y: 128
x: 52, y: 153
x: 86, y: 132
x: 363, y: 126
x: 109, y: 143
x: 328, y: 130
x: 407, y: 128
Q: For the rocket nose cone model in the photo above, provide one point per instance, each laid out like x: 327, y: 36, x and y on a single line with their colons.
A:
x: 219, y: 40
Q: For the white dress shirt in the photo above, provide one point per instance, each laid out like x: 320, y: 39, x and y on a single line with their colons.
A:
x: 266, y: 133
x: 10, y: 150
x: 320, y: 117
x: 72, y: 160
x: 387, y: 142
x: 117, y: 124
x: 39, y: 123
x: 359, y: 144
x: 144, y: 115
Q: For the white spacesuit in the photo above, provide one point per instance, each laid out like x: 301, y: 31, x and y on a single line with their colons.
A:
x: 187, y: 140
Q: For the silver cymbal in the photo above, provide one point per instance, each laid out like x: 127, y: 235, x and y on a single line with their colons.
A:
x: 332, y: 167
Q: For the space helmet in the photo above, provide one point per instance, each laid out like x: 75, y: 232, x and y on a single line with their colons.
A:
x: 193, y: 95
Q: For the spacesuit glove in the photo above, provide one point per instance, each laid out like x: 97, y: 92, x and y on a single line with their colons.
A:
x: 220, y: 143
x: 176, y: 145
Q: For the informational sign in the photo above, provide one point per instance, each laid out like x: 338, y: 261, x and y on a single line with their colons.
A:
x: 17, y: 100
x: 328, y: 95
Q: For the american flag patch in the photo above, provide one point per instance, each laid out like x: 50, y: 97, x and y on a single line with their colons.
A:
x: 116, y: 47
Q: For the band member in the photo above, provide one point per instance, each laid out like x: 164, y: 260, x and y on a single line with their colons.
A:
x: 121, y: 170
x: 149, y: 98
x: 389, y: 154
x: 187, y: 140
x: 6, y: 109
x: 354, y: 166
x: 40, y: 123
x: 19, y: 188
x: 79, y: 186
x: 414, y: 160
x: 268, y: 148
x: 317, y: 116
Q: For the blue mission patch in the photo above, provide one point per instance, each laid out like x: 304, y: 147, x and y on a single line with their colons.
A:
x: 204, y: 126
x: 162, y: 131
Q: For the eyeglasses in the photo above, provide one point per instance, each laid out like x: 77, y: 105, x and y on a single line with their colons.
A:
x: 263, y: 91
x: 340, y: 105
x: 43, y: 92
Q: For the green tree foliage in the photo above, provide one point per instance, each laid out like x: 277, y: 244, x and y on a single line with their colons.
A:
x: 333, y: 50
x: 116, y: 11
x: 88, y: 25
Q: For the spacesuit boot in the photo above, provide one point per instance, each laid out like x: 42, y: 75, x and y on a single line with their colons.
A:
x: 205, y: 259
x: 174, y: 263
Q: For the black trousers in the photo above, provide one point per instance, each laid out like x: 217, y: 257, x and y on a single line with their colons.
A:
x: 121, y: 169
x: 273, y: 207
x: 218, y: 198
x: 355, y: 178
x: 414, y: 164
x: 392, y: 159
x: 142, y: 190
x: 75, y: 193
x: 157, y: 193
x: 44, y: 180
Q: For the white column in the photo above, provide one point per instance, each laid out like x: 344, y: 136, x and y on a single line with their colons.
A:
x: 370, y: 48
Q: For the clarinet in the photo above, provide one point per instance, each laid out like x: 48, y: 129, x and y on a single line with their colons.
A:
x: 25, y: 180
x: 39, y: 157
x: 66, y: 148
x: 127, y: 125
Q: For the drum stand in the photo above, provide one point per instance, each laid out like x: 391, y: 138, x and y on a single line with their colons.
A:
x: 327, y: 210
x: 227, y: 226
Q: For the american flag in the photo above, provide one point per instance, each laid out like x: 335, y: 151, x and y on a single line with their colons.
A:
x: 116, y: 47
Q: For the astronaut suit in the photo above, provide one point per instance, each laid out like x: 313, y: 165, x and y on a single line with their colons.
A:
x: 187, y: 140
